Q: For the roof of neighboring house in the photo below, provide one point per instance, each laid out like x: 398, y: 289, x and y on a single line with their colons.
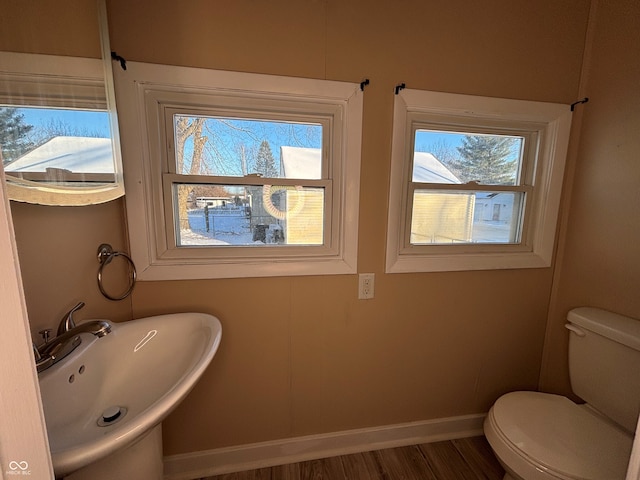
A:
x: 75, y: 154
x: 428, y: 169
x: 301, y: 162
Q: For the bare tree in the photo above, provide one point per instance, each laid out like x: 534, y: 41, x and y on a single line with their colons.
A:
x: 188, y: 127
x: 56, y: 127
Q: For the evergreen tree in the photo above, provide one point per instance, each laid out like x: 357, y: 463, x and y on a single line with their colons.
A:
x: 13, y: 134
x: 486, y: 159
x: 265, y: 163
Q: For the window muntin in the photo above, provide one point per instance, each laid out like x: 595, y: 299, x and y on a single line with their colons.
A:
x: 427, y: 230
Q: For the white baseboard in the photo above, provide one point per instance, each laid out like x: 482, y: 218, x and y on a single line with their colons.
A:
x: 290, y: 450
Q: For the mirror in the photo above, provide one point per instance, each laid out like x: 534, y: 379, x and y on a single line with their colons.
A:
x: 59, y: 141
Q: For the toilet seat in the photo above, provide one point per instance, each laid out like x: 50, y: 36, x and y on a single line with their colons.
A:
x: 544, y: 436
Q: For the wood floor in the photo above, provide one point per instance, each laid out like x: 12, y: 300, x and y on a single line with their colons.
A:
x: 462, y: 459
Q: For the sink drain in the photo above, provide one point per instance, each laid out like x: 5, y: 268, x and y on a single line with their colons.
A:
x: 111, y: 415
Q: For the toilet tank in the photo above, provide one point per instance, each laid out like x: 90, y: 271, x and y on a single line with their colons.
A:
x: 604, y: 363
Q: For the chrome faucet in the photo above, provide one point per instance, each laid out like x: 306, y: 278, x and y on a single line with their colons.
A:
x: 68, y: 339
x: 67, y: 322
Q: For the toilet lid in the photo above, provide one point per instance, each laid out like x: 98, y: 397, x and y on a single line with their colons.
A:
x: 562, y: 436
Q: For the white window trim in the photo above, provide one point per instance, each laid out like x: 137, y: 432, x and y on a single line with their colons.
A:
x: 142, y: 150
x: 553, y: 121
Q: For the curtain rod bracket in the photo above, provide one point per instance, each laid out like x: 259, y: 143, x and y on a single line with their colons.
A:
x: 584, y: 100
x: 399, y: 87
x: 364, y: 83
x: 123, y: 62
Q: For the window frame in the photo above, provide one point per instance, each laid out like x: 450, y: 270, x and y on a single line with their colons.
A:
x: 149, y: 95
x: 548, y: 124
x: 171, y: 177
x: 524, y: 183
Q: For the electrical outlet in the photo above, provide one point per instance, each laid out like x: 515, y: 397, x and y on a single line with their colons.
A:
x: 365, y: 285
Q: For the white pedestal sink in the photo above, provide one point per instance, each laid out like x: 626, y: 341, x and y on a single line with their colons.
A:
x: 110, y: 393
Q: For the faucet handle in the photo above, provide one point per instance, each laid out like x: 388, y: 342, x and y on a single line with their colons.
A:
x: 45, y: 334
x: 42, y: 361
x: 36, y: 352
x: 67, y: 322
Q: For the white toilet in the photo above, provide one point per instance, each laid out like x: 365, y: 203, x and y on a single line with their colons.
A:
x: 540, y: 436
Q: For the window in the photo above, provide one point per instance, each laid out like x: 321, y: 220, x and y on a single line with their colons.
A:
x: 265, y: 181
x: 56, y: 145
x: 475, y: 182
x: 235, y: 174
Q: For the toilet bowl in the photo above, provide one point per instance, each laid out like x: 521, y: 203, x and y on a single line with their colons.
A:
x: 541, y: 436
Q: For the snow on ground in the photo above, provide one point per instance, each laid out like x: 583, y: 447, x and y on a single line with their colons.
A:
x: 223, y: 230
x: 235, y: 230
x: 189, y: 237
x: 491, y: 232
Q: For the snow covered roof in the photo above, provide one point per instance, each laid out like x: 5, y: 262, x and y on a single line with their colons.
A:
x: 428, y: 169
x: 76, y: 154
x: 301, y: 162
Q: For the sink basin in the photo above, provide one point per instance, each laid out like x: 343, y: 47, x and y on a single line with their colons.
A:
x: 110, y: 391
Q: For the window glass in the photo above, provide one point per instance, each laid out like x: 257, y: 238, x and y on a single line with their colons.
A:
x: 249, y: 215
x: 466, y: 215
x: 459, y: 217
x: 55, y: 144
x: 207, y: 145
x: 456, y: 157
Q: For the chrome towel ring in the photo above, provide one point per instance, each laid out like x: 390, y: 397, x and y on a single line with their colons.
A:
x: 105, y: 255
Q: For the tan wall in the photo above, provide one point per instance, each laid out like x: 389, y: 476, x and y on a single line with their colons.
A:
x: 303, y: 355
x: 51, y: 28
x: 599, y: 264
x: 58, y: 250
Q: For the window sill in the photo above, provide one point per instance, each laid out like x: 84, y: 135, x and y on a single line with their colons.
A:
x: 456, y: 263
x: 194, y: 271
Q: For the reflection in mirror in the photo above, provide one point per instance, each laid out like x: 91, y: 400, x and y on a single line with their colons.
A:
x: 58, y: 134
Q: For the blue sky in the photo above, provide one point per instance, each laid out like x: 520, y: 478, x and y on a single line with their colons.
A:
x: 226, y: 136
x: 427, y: 138
x: 94, y: 122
